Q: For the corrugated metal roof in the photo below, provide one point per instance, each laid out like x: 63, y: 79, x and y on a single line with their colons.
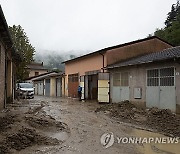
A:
x: 165, y: 54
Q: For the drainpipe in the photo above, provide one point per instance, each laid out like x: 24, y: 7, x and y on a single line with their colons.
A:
x: 103, y: 60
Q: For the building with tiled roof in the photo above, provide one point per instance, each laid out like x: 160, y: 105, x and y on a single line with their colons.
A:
x: 36, y: 69
x: 151, y: 80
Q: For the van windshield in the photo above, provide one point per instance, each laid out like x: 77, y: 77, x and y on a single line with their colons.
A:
x: 25, y: 85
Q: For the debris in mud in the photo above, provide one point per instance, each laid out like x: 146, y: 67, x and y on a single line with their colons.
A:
x: 125, y: 110
x: 28, y: 137
x: 37, y: 108
x: 24, y: 138
x: 121, y: 106
x: 34, y: 110
x: 6, y: 121
x: 163, y: 121
x: 3, y: 148
x: 42, y: 123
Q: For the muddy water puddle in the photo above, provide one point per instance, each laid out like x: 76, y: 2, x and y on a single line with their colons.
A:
x: 154, y: 148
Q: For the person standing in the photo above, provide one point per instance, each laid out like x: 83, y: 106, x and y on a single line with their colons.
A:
x: 79, y: 92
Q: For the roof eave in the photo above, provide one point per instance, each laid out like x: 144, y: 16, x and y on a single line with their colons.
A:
x: 8, y: 40
x: 117, y: 46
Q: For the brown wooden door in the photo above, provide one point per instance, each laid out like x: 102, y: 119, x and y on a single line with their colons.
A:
x: 73, y: 84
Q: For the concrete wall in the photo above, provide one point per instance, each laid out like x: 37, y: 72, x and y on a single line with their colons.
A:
x: 178, y: 87
x: 2, y: 75
x: 9, y: 78
x: 133, y: 50
x: 32, y: 72
x: 137, y: 79
x: 90, y: 63
x: 14, y: 68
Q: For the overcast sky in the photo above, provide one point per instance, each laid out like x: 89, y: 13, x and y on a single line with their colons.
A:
x: 65, y: 25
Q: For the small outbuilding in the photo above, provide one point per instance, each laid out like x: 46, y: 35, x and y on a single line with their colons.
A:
x: 152, y: 80
x: 35, y: 69
x: 48, y: 84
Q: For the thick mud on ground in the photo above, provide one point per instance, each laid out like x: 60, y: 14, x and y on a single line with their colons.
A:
x: 55, y: 125
x: 25, y: 124
x: 158, y: 120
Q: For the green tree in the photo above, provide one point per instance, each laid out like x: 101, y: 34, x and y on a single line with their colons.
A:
x: 171, y: 31
x: 171, y: 16
x: 170, y: 34
x: 24, y: 48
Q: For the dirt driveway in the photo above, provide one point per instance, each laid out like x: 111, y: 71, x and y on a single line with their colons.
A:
x: 56, y: 125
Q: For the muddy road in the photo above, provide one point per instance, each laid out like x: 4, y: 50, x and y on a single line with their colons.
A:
x: 55, y: 125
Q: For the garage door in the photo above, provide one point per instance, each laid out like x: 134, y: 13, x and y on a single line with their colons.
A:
x: 40, y: 88
x: 103, y: 87
x: 58, y: 87
x: 160, y: 91
x: 73, y: 84
x: 120, y: 87
x: 36, y: 89
x: 47, y: 87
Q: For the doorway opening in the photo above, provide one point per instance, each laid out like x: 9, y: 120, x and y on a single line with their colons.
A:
x: 91, y: 87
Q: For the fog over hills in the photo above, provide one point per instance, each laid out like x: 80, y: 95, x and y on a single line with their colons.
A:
x: 53, y: 59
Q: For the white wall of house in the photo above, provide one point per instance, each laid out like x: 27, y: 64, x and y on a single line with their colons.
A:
x: 32, y: 72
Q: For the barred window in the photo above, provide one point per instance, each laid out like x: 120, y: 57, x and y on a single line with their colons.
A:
x: 153, y: 77
x: 153, y: 81
x: 153, y: 73
x: 167, y: 77
x: 166, y: 72
x: 160, y: 77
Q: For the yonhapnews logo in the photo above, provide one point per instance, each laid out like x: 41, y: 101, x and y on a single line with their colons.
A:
x: 107, y: 139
